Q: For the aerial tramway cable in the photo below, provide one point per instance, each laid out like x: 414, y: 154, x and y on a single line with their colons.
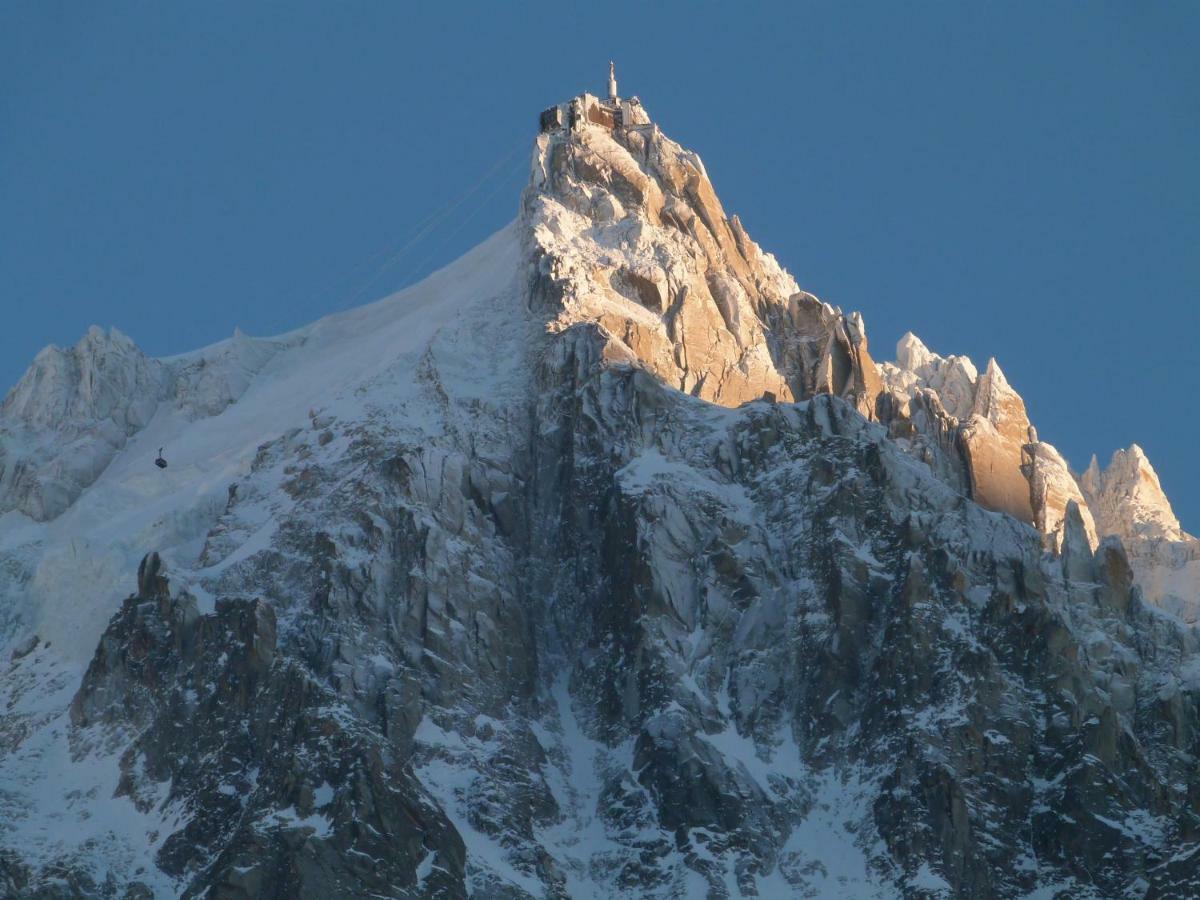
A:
x: 426, y: 227
x: 466, y: 220
x: 432, y: 222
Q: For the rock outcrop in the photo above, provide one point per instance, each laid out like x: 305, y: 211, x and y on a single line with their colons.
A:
x: 973, y: 431
x: 278, y: 795
x: 69, y: 416
x: 1052, y: 491
x: 992, y: 440
x: 1128, y: 502
x: 627, y: 232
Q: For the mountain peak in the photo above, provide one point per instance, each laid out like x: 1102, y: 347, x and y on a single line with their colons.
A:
x: 633, y: 239
x: 911, y: 352
x: 517, y: 566
x: 1130, y: 500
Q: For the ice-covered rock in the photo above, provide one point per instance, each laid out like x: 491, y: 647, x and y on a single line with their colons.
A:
x: 1128, y: 501
x: 952, y: 378
x: 68, y: 417
x: 76, y: 408
x: 978, y: 426
x: 103, y: 377
x: 970, y: 428
x: 974, y: 432
x: 206, y: 383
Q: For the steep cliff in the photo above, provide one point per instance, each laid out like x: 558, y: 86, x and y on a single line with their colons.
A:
x: 974, y: 431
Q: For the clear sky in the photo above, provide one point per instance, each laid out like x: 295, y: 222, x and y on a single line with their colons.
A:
x: 1018, y: 180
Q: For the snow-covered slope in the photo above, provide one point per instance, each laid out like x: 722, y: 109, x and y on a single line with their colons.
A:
x: 362, y: 363
x: 604, y: 562
x: 212, y: 412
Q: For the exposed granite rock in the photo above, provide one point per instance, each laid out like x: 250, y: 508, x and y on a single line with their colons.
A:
x: 1128, y: 501
x: 277, y: 794
x: 992, y: 439
x: 1052, y: 490
x: 628, y: 232
x: 69, y: 416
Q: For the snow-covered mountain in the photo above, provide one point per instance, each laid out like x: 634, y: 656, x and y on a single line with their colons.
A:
x: 605, y: 562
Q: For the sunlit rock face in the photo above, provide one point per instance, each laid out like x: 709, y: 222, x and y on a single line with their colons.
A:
x: 603, y: 563
x: 1052, y: 490
x: 992, y: 439
x: 973, y: 430
x: 627, y: 232
x: 1129, y: 502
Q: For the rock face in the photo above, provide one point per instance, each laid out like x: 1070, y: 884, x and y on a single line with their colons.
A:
x: 983, y: 416
x: 256, y: 773
x: 1129, y: 502
x: 992, y: 440
x: 606, y: 562
x: 75, y: 410
x: 627, y: 233
x: 974, y: 432
x: 69, y: 416
x: 1052, y: 491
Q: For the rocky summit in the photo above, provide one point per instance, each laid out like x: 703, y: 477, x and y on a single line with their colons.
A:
x: 604, y: 562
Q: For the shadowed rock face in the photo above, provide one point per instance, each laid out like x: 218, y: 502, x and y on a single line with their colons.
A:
x: 76, y: 408
x: 69, y: 416
x: 862, y: 619
x: 250, y: 744
x: 609, y: 626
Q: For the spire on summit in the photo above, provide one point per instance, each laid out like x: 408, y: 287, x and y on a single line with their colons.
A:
x: 588, y: 109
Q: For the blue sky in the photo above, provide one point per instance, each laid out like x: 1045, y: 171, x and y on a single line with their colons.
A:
x: 1017, y: 180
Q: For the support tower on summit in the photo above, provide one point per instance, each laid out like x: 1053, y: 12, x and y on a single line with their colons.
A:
x: 588, y: 109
